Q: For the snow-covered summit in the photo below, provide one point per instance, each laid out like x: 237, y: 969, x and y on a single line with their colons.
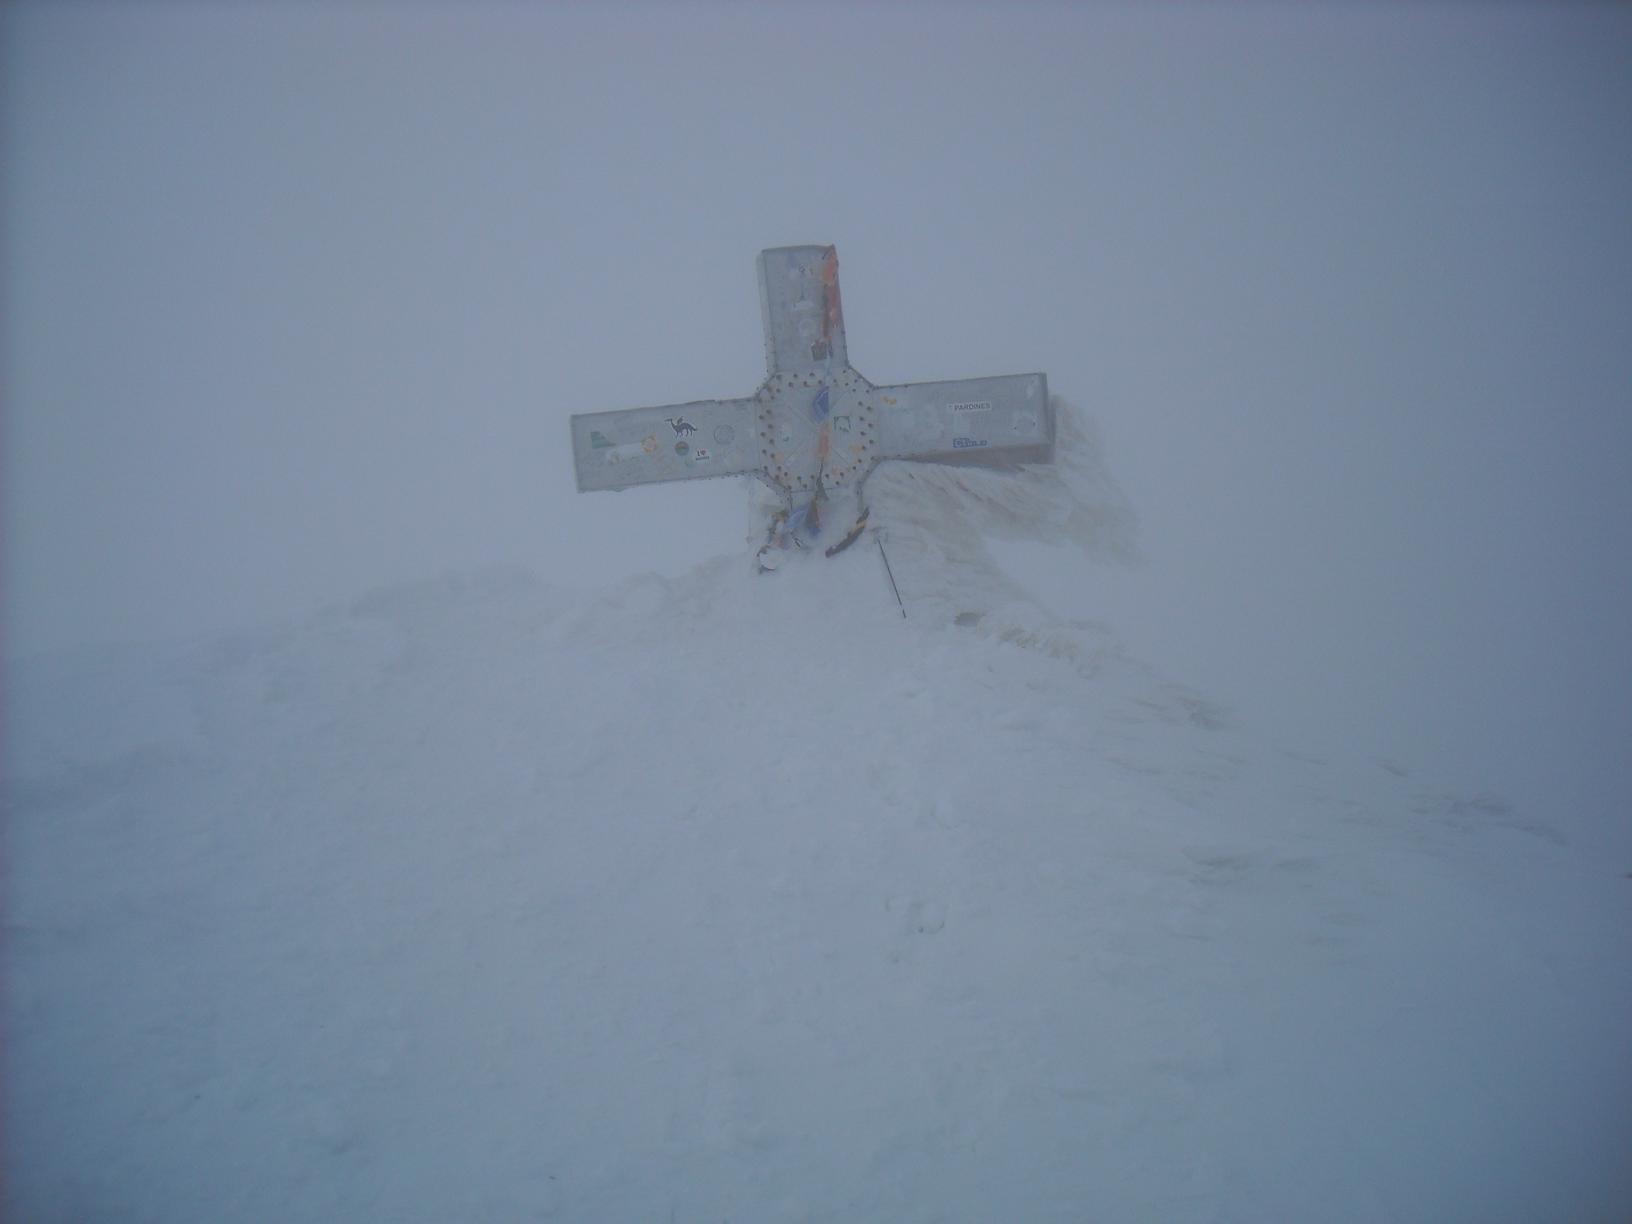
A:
x: 742, y: 897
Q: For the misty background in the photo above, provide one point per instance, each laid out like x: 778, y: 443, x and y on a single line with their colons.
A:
x: 297, y: 300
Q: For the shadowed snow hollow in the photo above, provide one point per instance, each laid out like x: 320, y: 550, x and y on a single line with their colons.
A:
x: 739, y: 897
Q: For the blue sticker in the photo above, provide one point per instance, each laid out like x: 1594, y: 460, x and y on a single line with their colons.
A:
x: 820, y: 406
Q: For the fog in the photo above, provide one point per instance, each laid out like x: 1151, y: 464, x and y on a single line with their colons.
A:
x: 297, y: 301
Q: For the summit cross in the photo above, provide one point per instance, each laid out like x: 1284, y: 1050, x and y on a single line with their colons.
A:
x: 815, y: 426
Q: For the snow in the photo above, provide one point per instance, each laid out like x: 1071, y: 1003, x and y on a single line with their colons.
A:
x: 728, y: 897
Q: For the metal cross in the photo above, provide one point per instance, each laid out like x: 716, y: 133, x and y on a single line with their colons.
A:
x: 815, y: 426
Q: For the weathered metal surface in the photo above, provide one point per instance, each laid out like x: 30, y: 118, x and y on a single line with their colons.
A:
x: 799, y: 306
x: 692, y: 441
x: 815, y: 424
x: 980, y: 420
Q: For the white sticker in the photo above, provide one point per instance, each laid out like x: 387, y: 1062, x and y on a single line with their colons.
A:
x: 630, y: 450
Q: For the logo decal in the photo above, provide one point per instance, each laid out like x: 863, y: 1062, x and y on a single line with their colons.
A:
x: 649, y: 444
x: 598, y: 440
x: 821, y: 405
x: 842, y: 424
x: 967, y: 443
x: 701, y: 454
x: 724, y: 434
x: 971, y: 406
x: 682, y: 427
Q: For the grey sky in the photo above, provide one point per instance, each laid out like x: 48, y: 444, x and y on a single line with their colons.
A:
x: 297, y: 300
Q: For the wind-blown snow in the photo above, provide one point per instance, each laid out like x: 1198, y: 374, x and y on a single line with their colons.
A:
x: 738, y: 897
x: 936, y: 520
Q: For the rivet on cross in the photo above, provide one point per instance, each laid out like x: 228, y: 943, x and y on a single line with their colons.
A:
x: 815, y: 427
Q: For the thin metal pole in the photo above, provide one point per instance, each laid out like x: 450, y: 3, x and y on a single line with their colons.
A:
x: 891, y: 573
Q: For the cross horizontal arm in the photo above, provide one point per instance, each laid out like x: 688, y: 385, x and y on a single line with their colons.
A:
x: 695, y: 441
x: 999, y: 420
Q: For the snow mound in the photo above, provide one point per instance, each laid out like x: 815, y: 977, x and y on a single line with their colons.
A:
x: 741, y: 897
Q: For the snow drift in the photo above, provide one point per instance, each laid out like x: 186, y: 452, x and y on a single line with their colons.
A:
x: 735, y: 897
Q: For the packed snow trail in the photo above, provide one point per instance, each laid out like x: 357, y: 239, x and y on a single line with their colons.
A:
x: 738, y: 898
